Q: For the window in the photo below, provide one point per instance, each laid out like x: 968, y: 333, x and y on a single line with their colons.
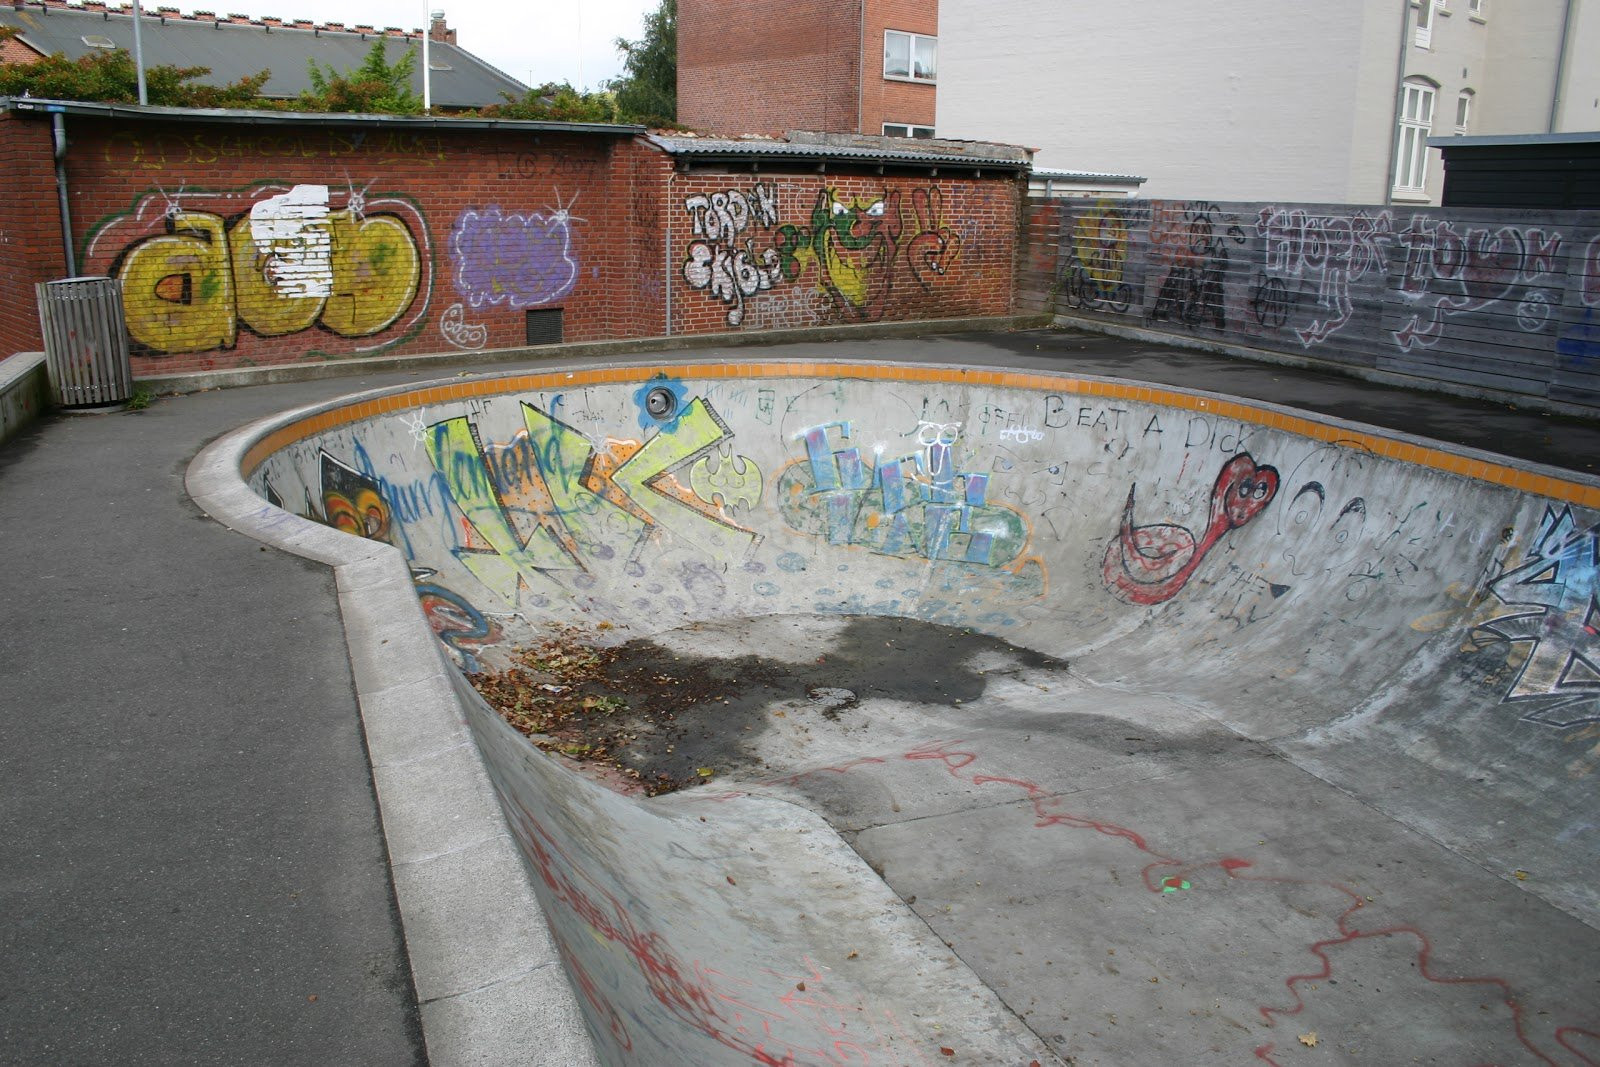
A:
x: 1463, y: 110
x: 909, y: 56
x: 1416, y: 122
x: 1475, y: 8
x: 905, y: 129
x: 1425, y: 24
x: 95, y: 40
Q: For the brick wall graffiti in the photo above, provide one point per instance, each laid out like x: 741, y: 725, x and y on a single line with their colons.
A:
x: 1324, y: 253
x: 1451, y: 271
x: 716, y: 261
x: 506, y: 258
x: 1498, y: 299
x: 1547, y: 627
x: 200, y: 268
x: 1149, y: 564
x: 854, y: 249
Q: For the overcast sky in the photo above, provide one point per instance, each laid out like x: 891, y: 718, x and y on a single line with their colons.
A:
x: 535, y: 42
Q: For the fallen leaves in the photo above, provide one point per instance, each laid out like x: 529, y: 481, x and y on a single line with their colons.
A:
x: 1309, y: 1040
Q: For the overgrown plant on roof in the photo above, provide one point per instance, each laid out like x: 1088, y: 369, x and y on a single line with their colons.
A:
x: 557, y: 102
x: 375, y: 87
x: 111, y: 77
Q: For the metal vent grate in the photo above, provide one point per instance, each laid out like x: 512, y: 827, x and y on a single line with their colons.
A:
x: 544, y: 326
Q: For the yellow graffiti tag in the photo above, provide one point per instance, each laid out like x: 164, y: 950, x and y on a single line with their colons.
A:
x: 1100, y: 240
x: 187, y: 290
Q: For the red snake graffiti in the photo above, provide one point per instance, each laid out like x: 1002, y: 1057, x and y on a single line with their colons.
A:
x: 1150, y: 564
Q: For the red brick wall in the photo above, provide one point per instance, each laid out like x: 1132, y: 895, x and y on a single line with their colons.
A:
x: 767, y: 68
x: 258, y: 245
x: 883, y: 100
x: 759, y: 251
x: 387, y: 241
x: 14, y: 51
x: 30, y: 231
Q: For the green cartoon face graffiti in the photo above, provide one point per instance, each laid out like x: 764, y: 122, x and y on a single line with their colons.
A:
x: 854, y: 245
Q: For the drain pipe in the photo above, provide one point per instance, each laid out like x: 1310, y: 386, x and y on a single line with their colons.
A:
x: 668, y: 277
x: 138, y: 53
x: 1399, y: 96
x: 58, y: 127
x: 1561, y: 68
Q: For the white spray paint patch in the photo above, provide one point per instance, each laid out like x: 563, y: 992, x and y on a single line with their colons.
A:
x: 291, y: 232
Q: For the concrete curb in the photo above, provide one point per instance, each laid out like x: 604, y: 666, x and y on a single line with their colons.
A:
x: 490, y: 985
x: 24, y: 392
x: 596, y: 350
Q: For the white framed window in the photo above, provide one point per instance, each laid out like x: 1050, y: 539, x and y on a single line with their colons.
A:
x: 1416, y: 122
x: 906, y: 129
x: 909, y: 56
x: 1424, y: 36
x: 1475, y: 9
x: 1463, y: 110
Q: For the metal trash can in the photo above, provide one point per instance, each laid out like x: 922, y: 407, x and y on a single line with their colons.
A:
x: 85, y: 340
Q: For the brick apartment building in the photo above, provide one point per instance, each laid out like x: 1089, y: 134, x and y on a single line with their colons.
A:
x: 838, y: 66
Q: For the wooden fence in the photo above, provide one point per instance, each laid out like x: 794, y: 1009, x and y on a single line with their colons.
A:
x: 1498, y: 300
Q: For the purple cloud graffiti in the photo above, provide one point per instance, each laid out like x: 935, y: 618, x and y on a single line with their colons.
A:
x: 524, y: 259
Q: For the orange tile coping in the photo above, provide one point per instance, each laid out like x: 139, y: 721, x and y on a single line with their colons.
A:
x: 1417, y: 455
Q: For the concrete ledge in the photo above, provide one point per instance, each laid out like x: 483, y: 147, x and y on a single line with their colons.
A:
x: 489, y: 981
x: 345, y: 368
x: 24, y: 392
x: 1289, y: 359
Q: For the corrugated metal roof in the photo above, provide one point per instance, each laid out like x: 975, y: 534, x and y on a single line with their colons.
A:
x: 733, y: 150
x: 1084, y: 176
x: 35, y: 105
x: 1585, y: 137
x: 237, y: 50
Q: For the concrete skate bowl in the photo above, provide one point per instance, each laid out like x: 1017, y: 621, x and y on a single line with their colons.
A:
x: 1053, y: 719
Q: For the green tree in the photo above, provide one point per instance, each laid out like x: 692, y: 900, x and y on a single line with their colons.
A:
x: 648, y: 92
x: 376, y: 87
x: 111, y: 77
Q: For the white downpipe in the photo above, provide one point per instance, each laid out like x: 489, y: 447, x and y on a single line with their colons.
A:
x: 427, y: 67
x: 138, y: 52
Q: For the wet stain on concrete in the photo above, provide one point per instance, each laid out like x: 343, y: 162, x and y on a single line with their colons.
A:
x: 645, y: 716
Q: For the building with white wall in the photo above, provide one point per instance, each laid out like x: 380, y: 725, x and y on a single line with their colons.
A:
x: 1261, y: 99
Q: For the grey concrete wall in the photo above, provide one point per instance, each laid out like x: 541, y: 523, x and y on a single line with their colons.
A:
x: 1502, y: 301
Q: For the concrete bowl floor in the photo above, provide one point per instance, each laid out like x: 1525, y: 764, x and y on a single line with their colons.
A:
x: 1136, y: 881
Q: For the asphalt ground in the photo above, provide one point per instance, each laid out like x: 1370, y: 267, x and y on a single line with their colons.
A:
x: 194, y: 866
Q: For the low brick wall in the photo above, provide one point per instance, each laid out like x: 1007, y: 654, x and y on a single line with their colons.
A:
x: 245, y: 245
x: 753, y: 252
x: 1497, y: 301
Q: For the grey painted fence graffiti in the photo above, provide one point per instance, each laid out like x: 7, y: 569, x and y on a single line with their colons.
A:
x: 1504, y: 300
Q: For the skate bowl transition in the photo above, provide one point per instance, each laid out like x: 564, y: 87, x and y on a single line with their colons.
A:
x: 1065, y: 720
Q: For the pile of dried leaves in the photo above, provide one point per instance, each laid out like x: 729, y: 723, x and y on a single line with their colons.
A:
x: 600, y: 704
